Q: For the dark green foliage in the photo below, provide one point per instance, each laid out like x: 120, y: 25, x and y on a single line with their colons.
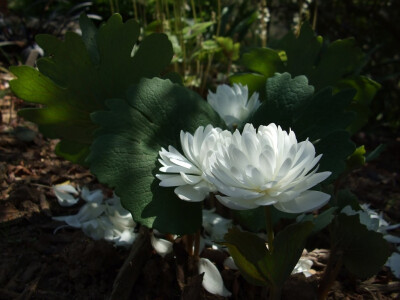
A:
x: 363, y: 251
x: 257, y: 264
x: 335, y: 65
x: 80, y: 73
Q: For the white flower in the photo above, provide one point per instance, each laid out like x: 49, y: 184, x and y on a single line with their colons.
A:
x: 267, y: 167
x: 186, y: 172
x: 232, y: 103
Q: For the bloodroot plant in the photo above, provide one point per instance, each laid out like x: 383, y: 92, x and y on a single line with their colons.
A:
x: 270, y: 147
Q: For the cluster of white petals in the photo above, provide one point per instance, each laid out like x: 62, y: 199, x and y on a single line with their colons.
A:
x: 233, y: 104
x: 256, y: 168
x: 99, y: 218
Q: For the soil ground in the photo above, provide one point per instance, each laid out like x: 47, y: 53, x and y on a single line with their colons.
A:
x: 35, y: 263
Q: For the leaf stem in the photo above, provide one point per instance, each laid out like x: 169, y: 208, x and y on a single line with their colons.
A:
x: 270, y: 229
x: 314, y: 24
x: 194, y: 11
x: 135, y: 10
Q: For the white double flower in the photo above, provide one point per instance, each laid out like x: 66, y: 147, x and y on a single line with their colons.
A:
x: 255, y: 168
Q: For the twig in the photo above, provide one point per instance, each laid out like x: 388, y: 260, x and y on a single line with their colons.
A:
x: 132, y: 267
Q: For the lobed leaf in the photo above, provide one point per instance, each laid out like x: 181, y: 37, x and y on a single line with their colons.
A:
x: 80, y: 73
x: 335, y: 65
x: 364, y: 252
x: 125, y: 151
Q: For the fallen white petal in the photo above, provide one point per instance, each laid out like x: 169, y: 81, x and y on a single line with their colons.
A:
x: 126, y: 238
x: 95, y: 196
x: 394, y: 264
x: 392, y: 238
x: 303, y: 266
x: 64, y: 194
x: 162, y: 247
x: 212, y: 280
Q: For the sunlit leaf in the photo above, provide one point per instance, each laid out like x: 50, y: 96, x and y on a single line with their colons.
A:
x: 247, y: 251
x: 125, y: 152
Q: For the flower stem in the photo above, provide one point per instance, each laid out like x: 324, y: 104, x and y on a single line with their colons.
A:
x: 197, y: 243
x: 270, y: 229
x: 330, y: 273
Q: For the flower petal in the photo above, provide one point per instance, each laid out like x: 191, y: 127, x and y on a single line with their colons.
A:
x: 307, y: 201
x: 188, y: 193
x: 212, y: 280
x: 162, y: 247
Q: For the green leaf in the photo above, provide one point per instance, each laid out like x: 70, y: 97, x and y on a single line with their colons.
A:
x: 254, y: 82
x: 334, y: 64
x: 335, y: 147
x: 302, y: 51
x: 80, y: 73
x: 264, y: 61
x: 324, y: 114
x: 366, y: 91
x: 338, y: 60
x: 192, y: 31
x: 229, y: 49
x: 322, y: 220
x: 284, y: 97
x: 247, y: 250
x: 125, y: 152
x: 364, y: 251
x: 288, y: 247
x: 257, y: 264
x: 344, y: 198
x: 357, y: 159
